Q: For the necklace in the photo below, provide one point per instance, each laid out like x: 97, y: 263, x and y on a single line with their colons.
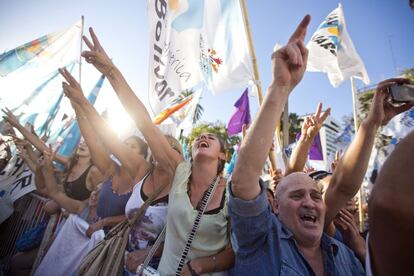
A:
x: 217, y: 178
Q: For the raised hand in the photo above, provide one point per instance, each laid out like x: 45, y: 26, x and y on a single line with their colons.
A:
x: 335, y: 162
x: 345, y: 222
x: 48, y: 157
x: 10, y: 118
x: 313, y: 123
x: 97, y: 56
x: 276, y: 177
x: 71, y: 88
x: 382, y: 111
x: 289, y: 62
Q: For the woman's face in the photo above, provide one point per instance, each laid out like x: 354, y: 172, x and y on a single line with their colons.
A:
x: 134, y: 146
x: 83, y: 150
x: 207, y: 145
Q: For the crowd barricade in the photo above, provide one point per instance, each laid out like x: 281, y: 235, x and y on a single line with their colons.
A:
x: 28, y: 213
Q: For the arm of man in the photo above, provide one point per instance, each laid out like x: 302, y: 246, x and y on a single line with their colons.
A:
x: 391, y: 213
x: 288, y: 66
x: 347, y: 177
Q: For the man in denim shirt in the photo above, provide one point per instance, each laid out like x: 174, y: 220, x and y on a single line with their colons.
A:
x: 293, y: 243
x: 268, y: 246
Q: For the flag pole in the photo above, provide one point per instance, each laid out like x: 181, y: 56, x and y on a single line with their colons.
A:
x: 356, y: 125
x: 80, y: 53
x: 255, y: 71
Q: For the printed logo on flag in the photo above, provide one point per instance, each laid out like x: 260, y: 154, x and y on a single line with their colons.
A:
x: 328, y: 34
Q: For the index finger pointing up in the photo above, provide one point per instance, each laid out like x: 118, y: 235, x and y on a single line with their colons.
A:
x: 300, y: 31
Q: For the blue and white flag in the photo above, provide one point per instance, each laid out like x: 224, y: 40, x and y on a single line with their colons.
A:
x: 72, y: 135
x: 52, y: 50
x: 193, y: 42
x: 331, y: 51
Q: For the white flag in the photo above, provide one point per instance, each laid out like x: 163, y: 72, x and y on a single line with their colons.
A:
x: 331, y: 51
x: 183, y: 118
x: 194, y: 42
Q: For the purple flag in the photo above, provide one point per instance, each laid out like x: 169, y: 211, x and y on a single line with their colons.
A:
x: 315, y: 151
x: 241, y: 116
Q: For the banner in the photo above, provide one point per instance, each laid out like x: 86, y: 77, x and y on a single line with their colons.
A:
x: 16, y: 180
x: 331, y: 51
x: 193, y: 42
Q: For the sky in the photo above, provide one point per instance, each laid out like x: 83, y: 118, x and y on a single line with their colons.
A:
x: 382, y: 32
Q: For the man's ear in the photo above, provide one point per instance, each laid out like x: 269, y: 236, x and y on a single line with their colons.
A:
x: 275, y: 206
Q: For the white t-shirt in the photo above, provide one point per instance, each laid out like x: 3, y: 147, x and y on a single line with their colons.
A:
x: 151, y: 224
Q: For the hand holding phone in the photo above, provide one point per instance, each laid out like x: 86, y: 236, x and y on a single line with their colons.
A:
x: 402, y: 93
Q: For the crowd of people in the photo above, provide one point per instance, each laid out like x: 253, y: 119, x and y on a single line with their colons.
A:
x: 200, y: 223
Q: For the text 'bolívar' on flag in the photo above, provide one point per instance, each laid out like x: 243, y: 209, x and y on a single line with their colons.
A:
x: 71, y: 136
x: 193, y: 42
x: 331, y: 51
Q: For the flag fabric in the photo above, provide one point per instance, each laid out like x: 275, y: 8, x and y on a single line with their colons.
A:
x: 184, y: 118
x: 315, y: 151
x: 344, y: 138
x: 72, y: 135
x: 28, y: 101
x: 331, y: 51
x: 56, y: 49
x: 193, y: 42
x: 41, y: 107
x: 229, y: 167
x: 241, y: 116
x: 171, y: 110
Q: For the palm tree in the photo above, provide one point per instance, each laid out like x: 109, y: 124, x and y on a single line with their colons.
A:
x: 199, y: 109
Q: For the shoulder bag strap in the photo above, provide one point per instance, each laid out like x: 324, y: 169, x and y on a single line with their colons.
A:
x: 201, y: 210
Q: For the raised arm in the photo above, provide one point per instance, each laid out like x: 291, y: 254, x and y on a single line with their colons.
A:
x: 310, y: 128
x: 288, y: 66
x: 47, y: 168
x: 32, y: 138
x: 99, y: 155
x: 136, y: 165
x: 391, y: 213
x: 347, y: 177
x: 160, y: 148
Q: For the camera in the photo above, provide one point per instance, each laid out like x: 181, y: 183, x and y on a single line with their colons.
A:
x: 402, y: 93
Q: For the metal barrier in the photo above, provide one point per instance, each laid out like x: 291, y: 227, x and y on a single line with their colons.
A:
x: 28, y: 213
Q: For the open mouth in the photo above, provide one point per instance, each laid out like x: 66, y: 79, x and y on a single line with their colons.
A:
x: 203, y: 144
x: 308, y: 218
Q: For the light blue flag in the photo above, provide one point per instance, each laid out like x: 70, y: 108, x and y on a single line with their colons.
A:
x: 52, y: 49
x: 35, y: 93
x: 72, y: 135
x: 36, y: 104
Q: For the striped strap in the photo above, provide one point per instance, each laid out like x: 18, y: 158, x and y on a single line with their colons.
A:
x: 201, y: 210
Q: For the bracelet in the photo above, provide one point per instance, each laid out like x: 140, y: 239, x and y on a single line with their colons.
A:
x: 192, y: 271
